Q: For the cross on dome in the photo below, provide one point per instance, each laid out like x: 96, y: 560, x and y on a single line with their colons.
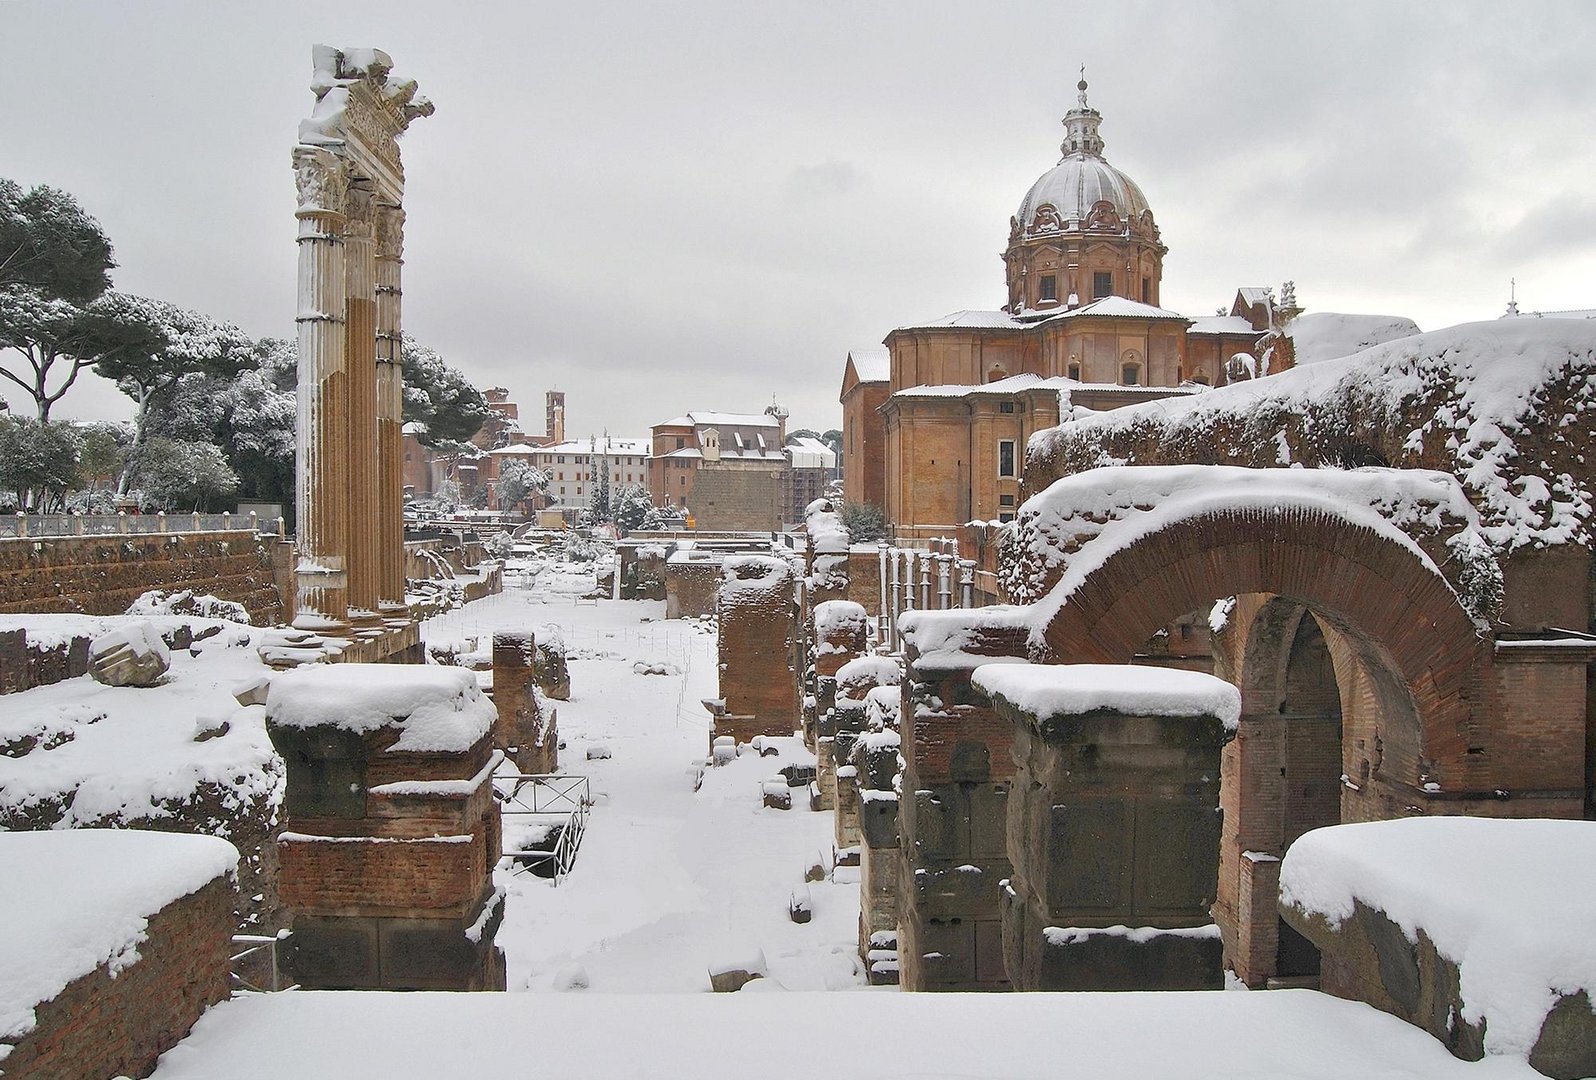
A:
x: 1080, y: 125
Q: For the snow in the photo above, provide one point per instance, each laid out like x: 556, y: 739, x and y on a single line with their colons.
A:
x: 1122, y: 308
x: 946, y: 639
x: 1326, y: 335
x: 1222, y: 324
x: 125, y: 753
x: 1045, y: 690
x: 881, y: 670
x: 140, y: 634
x: 1508, y: 901
x: 1475, y: 390
x: 437, y: 709
x: 74, y: 900
x: 838, y: 617
x: 1281, y: 1035
x: 1081, y: 521
x: 1138, y: 935
x: 872, y: 363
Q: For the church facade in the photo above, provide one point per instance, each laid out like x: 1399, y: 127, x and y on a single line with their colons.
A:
x: 935, y: 424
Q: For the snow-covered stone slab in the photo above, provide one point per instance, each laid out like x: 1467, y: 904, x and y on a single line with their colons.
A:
x: 129, y: 655
x: 437, y: 709
x: 1046, y: 690
x: 76, y: 908
x: 1483, y: 931
x: 1282, y: 1035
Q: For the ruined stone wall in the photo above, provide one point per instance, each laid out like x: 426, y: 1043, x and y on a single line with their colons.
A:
x: 736, y: 498
x: 105, y: 1025
x: 102, y: 575
x: 758, y: 643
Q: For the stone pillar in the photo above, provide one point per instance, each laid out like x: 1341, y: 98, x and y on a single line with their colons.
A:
x: 391, y: 834
x: 1113, y: 825
x: 360, y: 358
x: 525, y: 729
x: 322, y: 478
x: 390, y: 227
x: 758, y: 636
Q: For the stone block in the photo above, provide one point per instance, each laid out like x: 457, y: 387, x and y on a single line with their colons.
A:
x: 333, y: 953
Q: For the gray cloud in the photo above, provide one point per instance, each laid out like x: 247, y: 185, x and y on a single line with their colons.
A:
x: 659, y: 208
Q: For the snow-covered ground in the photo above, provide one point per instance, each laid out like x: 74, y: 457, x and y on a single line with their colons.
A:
x: 667, y: 881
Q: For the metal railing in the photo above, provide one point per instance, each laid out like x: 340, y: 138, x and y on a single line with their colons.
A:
x: 263, y: 950
x: 46, y: 526
x: 560, y: 802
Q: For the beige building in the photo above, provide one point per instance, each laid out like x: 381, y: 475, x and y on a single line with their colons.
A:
x: 935, y: 424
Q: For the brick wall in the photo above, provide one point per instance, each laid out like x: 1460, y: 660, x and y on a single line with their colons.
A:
x: 758, y: 643
x: 102, y: 575
x: 736, y: 498
x: 100, y: 1026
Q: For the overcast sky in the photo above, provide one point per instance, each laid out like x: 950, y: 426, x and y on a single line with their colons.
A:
x: 662, y: 207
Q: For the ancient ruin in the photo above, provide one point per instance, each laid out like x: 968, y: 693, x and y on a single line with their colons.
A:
x: 351, y: 242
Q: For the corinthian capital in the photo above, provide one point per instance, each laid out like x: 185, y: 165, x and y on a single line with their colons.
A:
x: 321, y: 179
x: 390, y: 231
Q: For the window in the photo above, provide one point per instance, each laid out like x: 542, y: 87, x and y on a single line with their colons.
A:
x: 1147, y: 290
x: 1074, y: 372
x: 1005, y: 406
x: 1006, y: 457
x: 1102, y: 284
x: 1130, y: 374
x: 1006, y: 516
x: 1201, y: 378
x: 681, y: 441
x: 561, y: 459
x: 1005, y: 500
x: 1049, y: 287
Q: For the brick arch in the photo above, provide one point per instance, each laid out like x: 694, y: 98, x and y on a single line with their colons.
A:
x: 1399, y: 615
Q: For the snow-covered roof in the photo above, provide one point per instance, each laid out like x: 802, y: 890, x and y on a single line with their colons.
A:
x: 1255, y: 294
x: 1221, y: 324
x: 1326, y: 335
x: 872, y: 363
x: 1013, y: 384
x: 1121, y: 307
x: 517, y: 450
x: 724, y: 419
x: 1509, y: 902
x: 970, y: 319
x: 72, y: 900
x: 810, y: 453
x: 1571, y: 313
x: 604, y: 445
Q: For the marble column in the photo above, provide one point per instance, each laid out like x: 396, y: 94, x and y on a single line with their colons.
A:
x: 322, y: 532
x: 390, y: 413
x: 360, y: 354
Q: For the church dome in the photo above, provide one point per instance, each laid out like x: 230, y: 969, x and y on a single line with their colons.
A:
x: 1082, y: 192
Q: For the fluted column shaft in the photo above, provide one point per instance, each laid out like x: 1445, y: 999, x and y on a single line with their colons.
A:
x: 390, y: 413
x: 322, y: 533
x: 360, y: 350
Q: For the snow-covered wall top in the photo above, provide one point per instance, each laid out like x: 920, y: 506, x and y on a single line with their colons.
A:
x: 1079, y: 522
x: 1509, y: 902
x: 1328, y: 335
x: 828, y: 543
x: 752, y: 579
x: 1507, y: 407
x: 1047, y: 690
x: 879, y: 670
x: 436, y: 709
x: 965, y: 637
x: 834, y: 618
x: 74, y: 899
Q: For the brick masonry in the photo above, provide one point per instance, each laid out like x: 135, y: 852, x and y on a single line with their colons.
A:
x: 104, y: 1026
x: 102, y: 575
x: 759, y: 642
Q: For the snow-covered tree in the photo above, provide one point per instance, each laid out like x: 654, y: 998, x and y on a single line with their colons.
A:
x: 441, y: 399
x: 171, y: 344
x: 631, y: 507
x: 39, y: 462
x: 50, y: 244
x: 185, y: 475
x: 864, y: 521
x: 518, y: 482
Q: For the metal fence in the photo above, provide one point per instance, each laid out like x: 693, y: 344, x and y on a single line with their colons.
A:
x: 45, y: 526
x: 254, y: 970
x: 559, y: 802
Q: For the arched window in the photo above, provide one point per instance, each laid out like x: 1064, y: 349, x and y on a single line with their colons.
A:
x: 1130, y: 374
x: 1074, y: 372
